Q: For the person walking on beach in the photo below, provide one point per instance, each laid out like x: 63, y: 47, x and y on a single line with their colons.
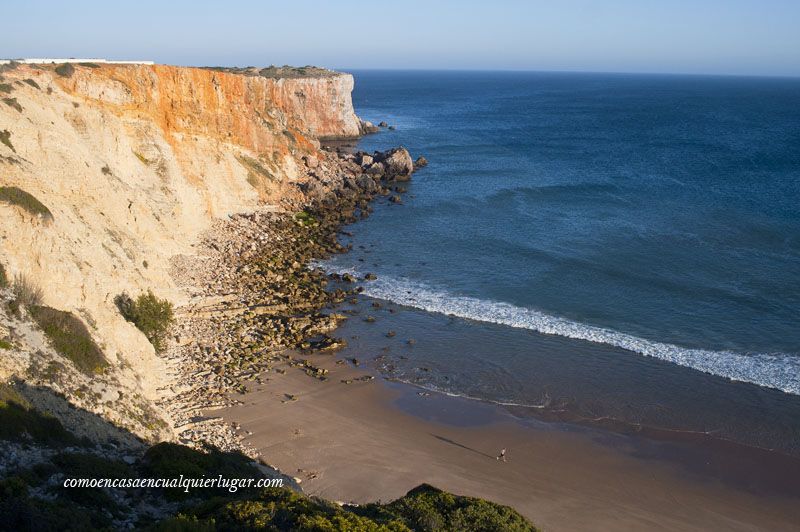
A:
x: 502, y: 455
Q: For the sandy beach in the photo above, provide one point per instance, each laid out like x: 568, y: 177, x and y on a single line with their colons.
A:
x: 368, y: 441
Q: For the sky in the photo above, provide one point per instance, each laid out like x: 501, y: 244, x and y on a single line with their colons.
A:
x: 699, y: 37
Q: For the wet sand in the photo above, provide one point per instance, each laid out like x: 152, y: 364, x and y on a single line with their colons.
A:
x: 369, y: 441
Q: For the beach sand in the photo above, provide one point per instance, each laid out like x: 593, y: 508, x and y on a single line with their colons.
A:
x: 369, y: 441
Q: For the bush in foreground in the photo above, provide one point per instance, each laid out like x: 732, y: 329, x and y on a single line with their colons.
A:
x: 151, y: 315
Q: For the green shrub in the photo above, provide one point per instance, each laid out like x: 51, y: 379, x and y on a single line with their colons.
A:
x: 85, y: 465
x: 429, y: 508
x: 305, y: 218
x: 70, y: 338
x: 5, y: 138
x: 89, y: 65
x: 65, y: 70
x: 151, y: 315
x: 13, y: 103
x: 32, y: 83
x: 3, y: 277
x: 171, y: 460
x: 276, y: 509
x: 22, y: 513
x: 18, y: 197
x: 106, y: 170
x: 6, y: 88
x: 5, y: 344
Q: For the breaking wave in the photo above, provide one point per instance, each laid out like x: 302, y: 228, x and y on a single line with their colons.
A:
x: 772, y: 370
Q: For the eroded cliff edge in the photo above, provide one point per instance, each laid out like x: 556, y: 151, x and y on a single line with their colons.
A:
x: 133, y: 163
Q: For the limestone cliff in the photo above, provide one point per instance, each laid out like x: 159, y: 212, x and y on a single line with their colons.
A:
x: 133, y: 162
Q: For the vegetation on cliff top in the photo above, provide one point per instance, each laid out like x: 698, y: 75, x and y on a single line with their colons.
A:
x: 65, y: 70
x: 279, y: 72
x: 151, y: 315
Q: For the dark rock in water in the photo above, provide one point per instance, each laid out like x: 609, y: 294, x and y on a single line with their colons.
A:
x: 370, y: 319
x: 383, y: 124
x: 368, y: 127
x: 395, y: 199
x: 392, y: 128
x: 420, y: 162
x: 411, y: 341
x: 391, y: 334
x: 354, y: 361
x: 348, y: 278
x: 370, y: 277
x: 375, y: 304
x: 400, y: 190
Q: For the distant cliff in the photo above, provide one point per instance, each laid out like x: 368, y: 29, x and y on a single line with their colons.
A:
x: 131, y: 164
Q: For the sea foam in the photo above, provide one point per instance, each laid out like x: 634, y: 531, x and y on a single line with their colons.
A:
x: 772, y: 370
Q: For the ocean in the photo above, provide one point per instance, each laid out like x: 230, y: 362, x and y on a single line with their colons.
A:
x: 621, y: 249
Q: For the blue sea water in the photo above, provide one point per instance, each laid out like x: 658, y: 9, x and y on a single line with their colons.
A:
x: 653, y: 213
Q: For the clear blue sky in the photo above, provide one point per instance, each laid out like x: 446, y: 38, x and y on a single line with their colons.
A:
x: 700, y: 36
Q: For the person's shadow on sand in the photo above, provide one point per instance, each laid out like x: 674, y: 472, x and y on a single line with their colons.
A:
x: 451, y: 442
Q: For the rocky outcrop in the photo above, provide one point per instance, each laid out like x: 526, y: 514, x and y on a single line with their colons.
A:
x: 393, y: 165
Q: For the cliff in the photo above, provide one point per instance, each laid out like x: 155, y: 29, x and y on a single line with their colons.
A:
x: 131, y: 164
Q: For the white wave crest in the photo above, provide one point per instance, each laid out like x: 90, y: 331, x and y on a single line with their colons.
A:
x: 780, y: 371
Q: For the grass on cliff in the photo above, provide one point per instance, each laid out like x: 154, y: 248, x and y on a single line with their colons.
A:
x: 3, y: 277
x: 19, y: 198
x: 13, y: 103
x: 26, y: 294
x: 70, y: 338
x: 257, y: 175
x: 32, y: 83
x: 5, y: 138
x: 151, y: 315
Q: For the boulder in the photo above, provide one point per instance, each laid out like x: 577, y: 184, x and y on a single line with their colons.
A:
x: 366, y: 160
x: 368, y: 127
x: 377, y: 169
x: 421, y: 162
x: 398, y: 163
x: 383, y: 124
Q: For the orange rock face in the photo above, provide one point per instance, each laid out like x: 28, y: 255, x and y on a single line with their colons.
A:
x: 250, y: 111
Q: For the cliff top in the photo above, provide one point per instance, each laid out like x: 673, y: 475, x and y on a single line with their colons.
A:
x: 282, y: 72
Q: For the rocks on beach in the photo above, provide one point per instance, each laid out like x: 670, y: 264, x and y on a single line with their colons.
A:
x: 254, y: 299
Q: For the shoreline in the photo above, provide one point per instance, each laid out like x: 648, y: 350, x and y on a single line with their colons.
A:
x: 368, y: 441
x: 292, y: 368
